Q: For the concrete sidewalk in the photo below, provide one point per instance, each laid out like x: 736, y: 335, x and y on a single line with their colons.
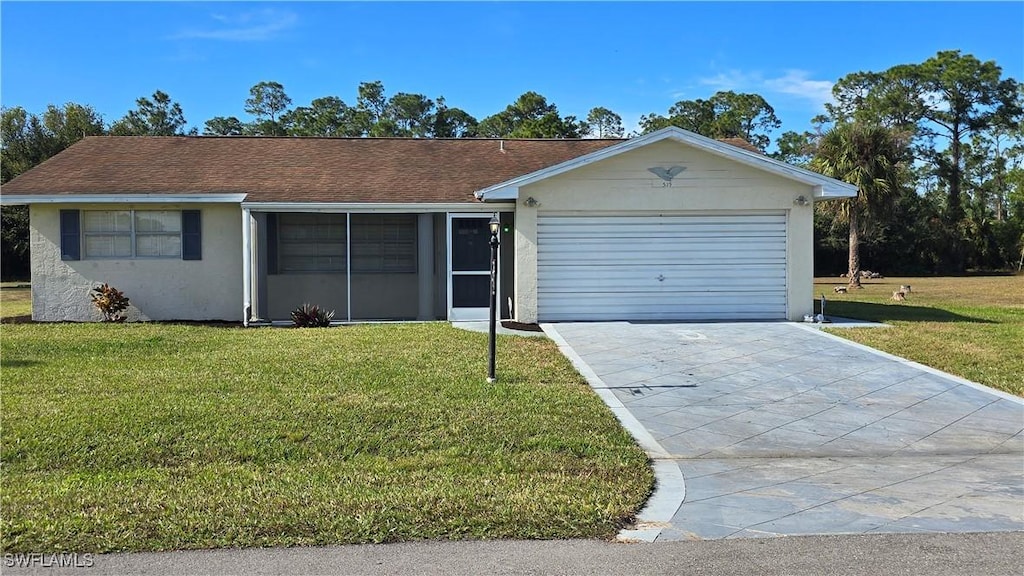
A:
x: 780, y: 429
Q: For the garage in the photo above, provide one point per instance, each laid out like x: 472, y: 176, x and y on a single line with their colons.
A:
x: 668, y: 226
x: 725, y: 266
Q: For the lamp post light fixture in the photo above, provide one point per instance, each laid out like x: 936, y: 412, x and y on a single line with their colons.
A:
x: 495, y: 227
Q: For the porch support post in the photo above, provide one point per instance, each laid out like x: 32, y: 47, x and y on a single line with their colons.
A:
x: 246, y: 266
x: 260, y: 310
x: 425, y: 260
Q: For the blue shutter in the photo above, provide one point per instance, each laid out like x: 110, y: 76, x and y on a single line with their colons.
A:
x: 191, y: 235
x: 70, y: 235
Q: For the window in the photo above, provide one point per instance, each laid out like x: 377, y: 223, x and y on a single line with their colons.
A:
x: 384, y: 243
x: 158, y: 234
x: 132, y: 233
x: 311, y: 243
x: 108, y: 234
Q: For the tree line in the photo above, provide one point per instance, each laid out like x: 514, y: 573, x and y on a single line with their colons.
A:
x: 270, y: 113
x: 936, y: 148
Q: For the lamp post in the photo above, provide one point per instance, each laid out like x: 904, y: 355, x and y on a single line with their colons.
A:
x: 495, y: 227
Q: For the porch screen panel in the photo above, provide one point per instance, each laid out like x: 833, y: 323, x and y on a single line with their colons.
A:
x: 310, y: 243
x: 384, y: 243
x: 385, y: 280
x: 306, y: 262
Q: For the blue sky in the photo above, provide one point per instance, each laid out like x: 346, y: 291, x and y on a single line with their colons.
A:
x: 634, y: 58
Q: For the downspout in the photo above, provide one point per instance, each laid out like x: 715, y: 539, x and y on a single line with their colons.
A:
x: 246, y: 266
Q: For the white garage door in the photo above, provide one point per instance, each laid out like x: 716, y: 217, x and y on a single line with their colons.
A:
x: 728, y: 267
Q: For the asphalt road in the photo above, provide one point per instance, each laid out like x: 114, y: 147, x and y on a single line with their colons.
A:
x: 884, y: 554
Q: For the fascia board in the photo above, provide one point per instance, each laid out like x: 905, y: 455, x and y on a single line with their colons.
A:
x: 21, y: 199
x: 503, y: 193
x: 824, y: 187
x: 393, y: 208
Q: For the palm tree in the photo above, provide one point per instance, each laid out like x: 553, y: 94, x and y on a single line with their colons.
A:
x: 867, y: 156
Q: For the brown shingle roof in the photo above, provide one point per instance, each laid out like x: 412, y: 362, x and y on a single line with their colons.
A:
x: 295, y: 169
x: 741, y: 143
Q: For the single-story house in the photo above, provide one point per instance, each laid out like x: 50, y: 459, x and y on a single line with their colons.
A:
x: 669, y: 225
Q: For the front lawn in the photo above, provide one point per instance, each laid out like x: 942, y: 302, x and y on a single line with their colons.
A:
x: 972, y: 326
x: 156, y: 436
x: 15, y: 301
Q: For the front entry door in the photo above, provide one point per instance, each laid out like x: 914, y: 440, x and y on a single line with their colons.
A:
x: 469, y: 275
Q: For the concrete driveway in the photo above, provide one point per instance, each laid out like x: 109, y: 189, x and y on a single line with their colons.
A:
x: 780, y: 429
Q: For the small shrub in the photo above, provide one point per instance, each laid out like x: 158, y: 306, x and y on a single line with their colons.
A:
x: 311, y: 316
x: 110, y: 302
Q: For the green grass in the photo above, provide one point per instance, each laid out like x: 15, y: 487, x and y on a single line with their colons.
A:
x: 156, y: 437
x: 969, y: 326
x: 15, y: 301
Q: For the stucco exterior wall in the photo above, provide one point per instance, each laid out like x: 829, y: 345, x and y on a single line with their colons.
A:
x: 159, y: 288
x: 622, y: 185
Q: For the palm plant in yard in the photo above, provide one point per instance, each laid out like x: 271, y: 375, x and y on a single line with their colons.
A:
x: 868, y: 156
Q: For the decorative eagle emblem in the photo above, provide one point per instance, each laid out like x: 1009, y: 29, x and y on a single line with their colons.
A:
x: 666, y: 174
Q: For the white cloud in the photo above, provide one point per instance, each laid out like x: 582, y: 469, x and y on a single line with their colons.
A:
x: 731, y: 80
x: 794, y: 83
x: 797, y: 83
x: 252, y: 26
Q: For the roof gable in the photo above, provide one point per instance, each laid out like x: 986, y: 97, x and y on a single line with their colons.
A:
x: 824, y: 187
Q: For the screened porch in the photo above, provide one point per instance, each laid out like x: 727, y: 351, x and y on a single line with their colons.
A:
x: 370, y: 266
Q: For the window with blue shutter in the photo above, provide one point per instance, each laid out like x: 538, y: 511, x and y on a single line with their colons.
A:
x: 191, y: 235
x: 70, y: 235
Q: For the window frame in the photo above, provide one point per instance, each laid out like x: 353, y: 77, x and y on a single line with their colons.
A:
x: 132, y: 234
x: 179, y: 234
